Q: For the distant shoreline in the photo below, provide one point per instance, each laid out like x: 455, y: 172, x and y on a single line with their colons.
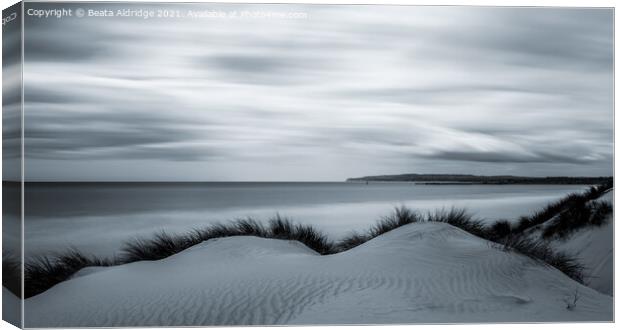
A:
x: 465, y: 179
x: 423, y: 183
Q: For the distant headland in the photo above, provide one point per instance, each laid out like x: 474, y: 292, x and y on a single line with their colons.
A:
x: 480, y: 179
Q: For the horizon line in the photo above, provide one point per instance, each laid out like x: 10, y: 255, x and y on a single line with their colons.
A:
x: 347, y: 180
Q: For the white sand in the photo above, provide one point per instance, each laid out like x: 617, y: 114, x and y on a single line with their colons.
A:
x: 427, y: 272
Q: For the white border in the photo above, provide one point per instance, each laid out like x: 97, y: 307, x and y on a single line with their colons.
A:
x: 502, y: 3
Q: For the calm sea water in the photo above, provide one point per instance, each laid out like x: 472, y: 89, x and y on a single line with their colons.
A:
x: 98, y: 217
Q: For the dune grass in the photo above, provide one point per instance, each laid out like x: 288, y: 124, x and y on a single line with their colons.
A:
x: 11, y: 273
x: 399, y: 217
x: 163, y: 245
x: 499, y: 230
x: 160, y: 246
x: 42, y: 273
x: 461, y: 219
x: 403, y: 216
x: 576, y: 217
x: 570, y: 201
x: 540, y: 251
x: 283, y: 228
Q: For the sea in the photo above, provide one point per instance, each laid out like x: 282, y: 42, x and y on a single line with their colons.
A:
x: 97, y: 218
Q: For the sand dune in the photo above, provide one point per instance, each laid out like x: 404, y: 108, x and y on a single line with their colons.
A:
x: 423, y: 272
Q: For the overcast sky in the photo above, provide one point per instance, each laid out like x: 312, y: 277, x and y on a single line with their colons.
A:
x: 348, y: 91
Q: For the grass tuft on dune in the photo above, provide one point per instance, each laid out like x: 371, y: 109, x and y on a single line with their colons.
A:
x: 41, y: 273
x: 542, y: 252
x: 11, y: 273
x: 163, y: 245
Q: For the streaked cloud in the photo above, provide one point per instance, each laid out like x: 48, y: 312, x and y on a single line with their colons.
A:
x: 350, y: 91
